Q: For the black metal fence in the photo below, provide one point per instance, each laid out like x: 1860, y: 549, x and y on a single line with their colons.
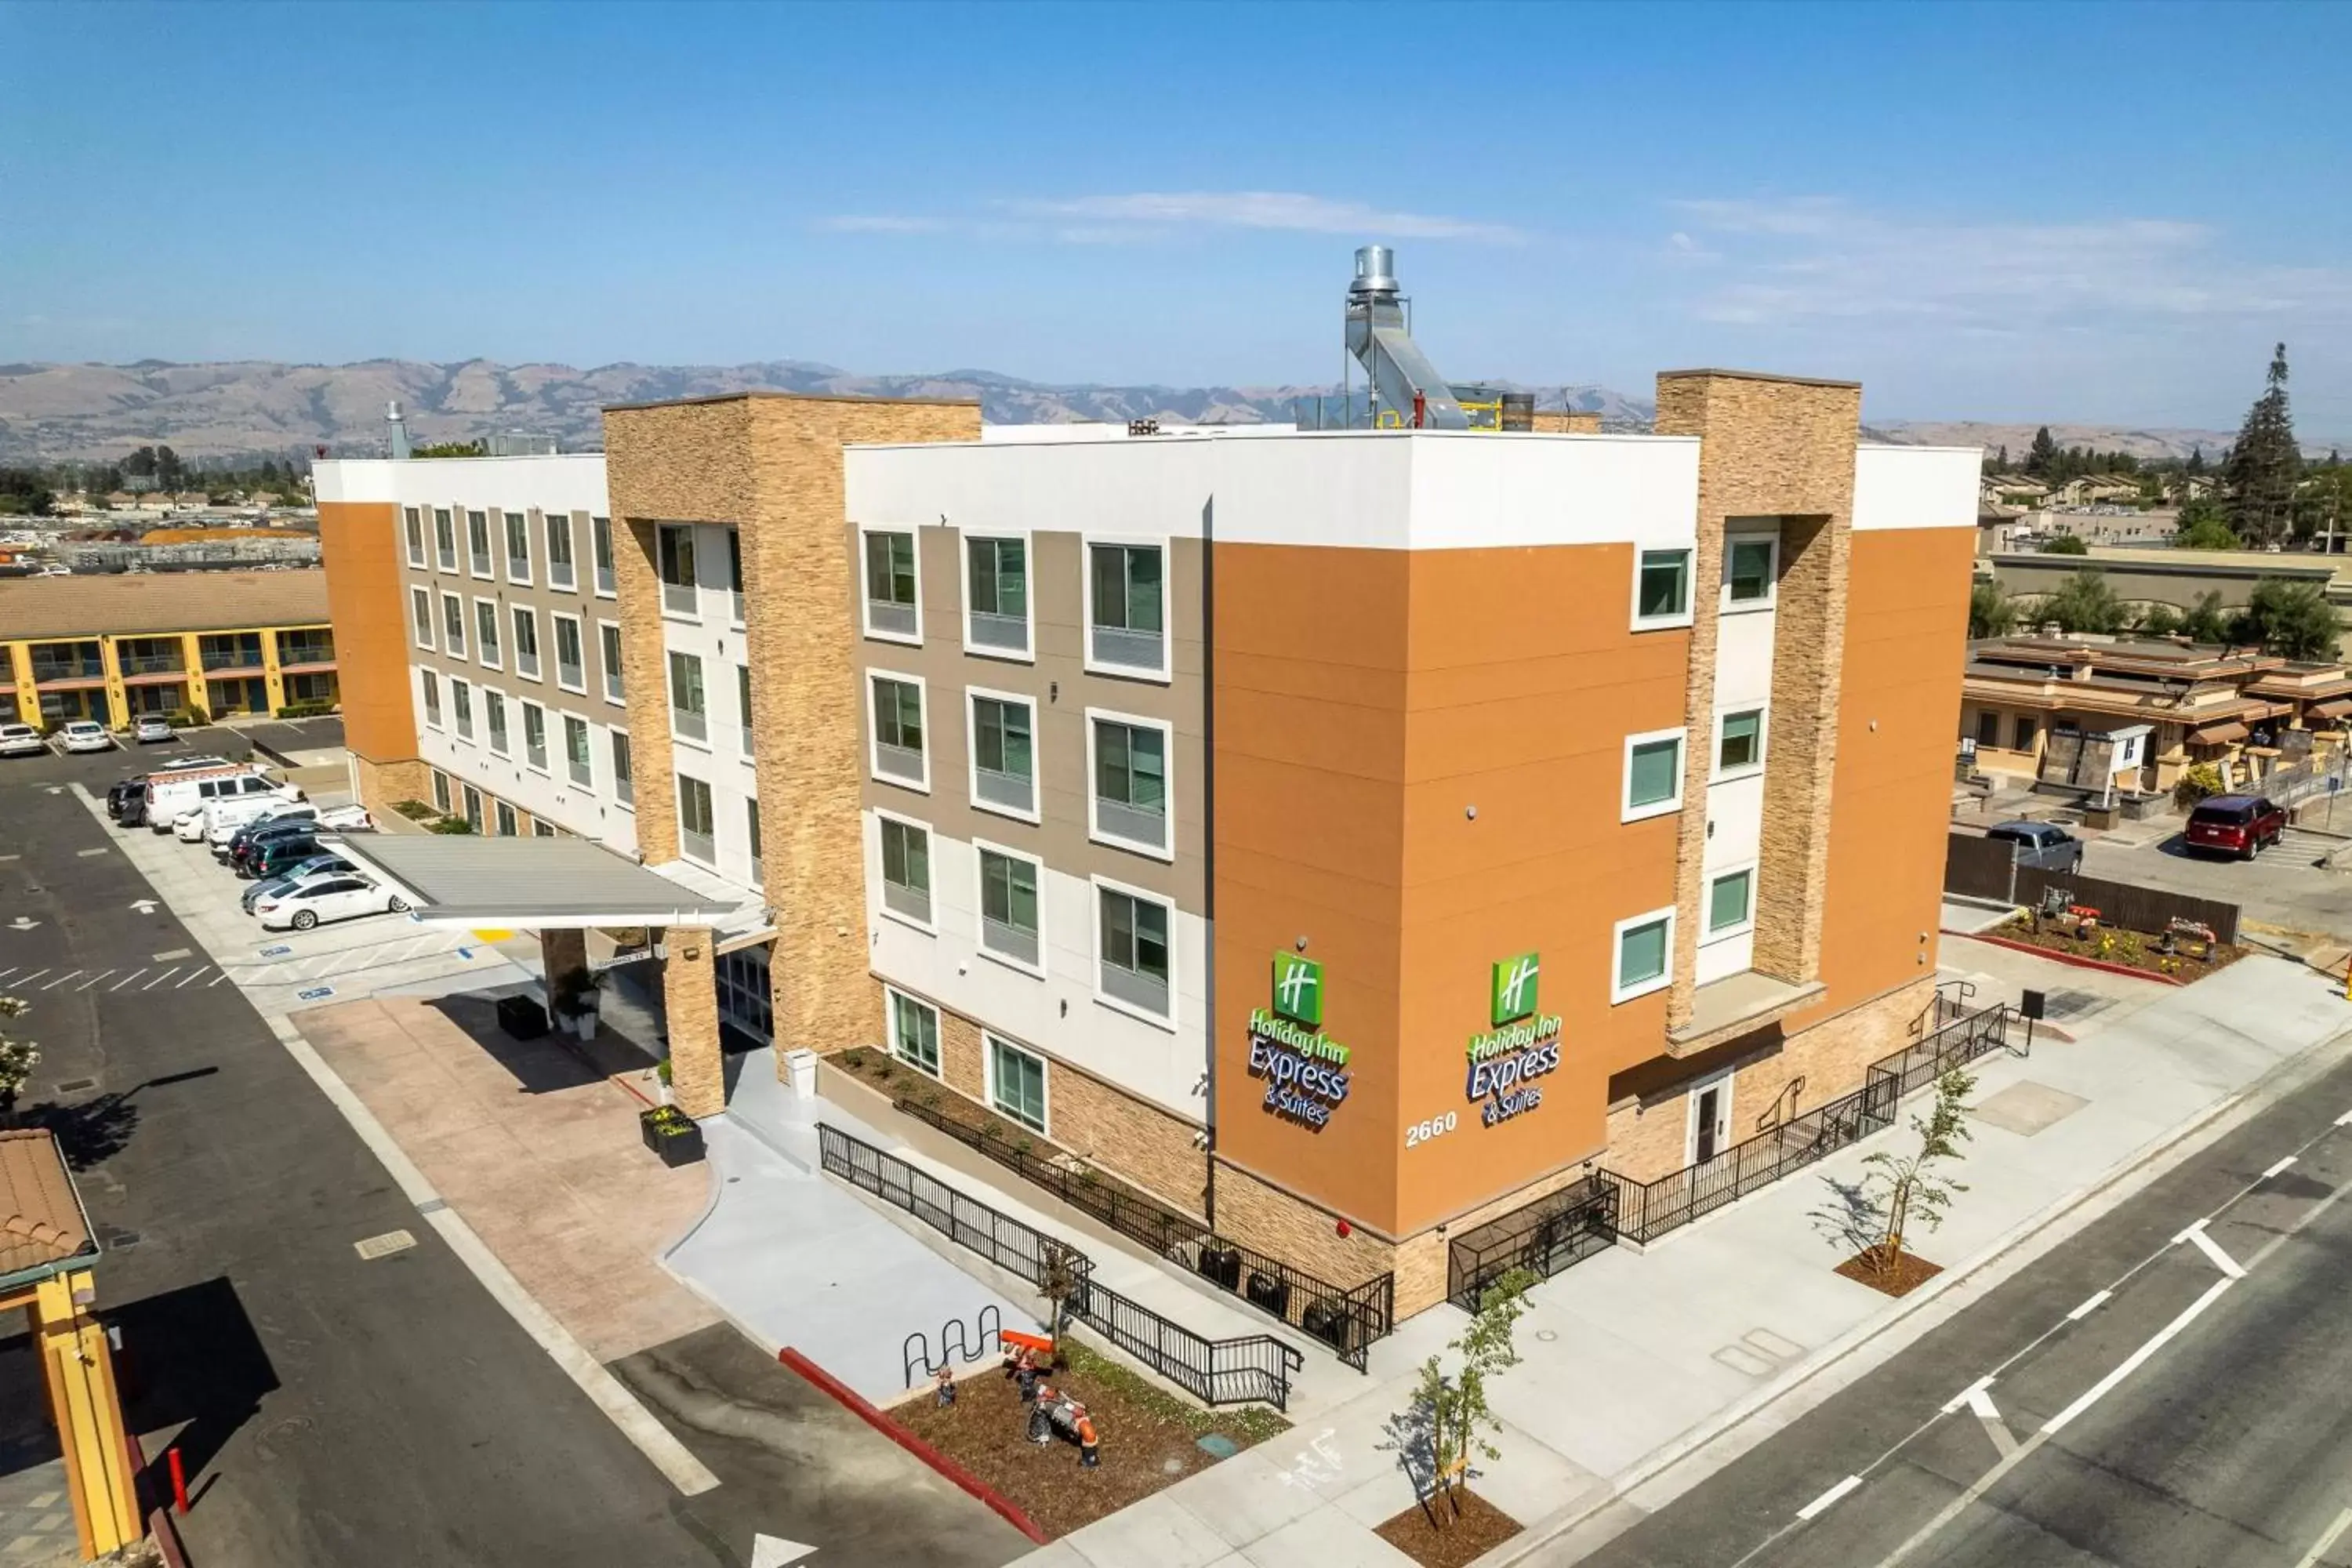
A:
x: 1347, y: 1319
x: 1253, y: 1369
x: 1546, y: 1236
x: 1552, y: 1233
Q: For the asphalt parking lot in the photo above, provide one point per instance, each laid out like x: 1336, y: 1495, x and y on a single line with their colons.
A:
x: 2282, y: 886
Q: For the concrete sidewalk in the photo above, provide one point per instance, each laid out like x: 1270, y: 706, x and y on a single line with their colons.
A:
x: 1631, y: 1360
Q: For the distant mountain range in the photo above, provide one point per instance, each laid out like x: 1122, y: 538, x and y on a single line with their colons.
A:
x: 254, y: 408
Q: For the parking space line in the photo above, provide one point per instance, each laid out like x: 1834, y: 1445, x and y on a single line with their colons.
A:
x: 61, y: 979
x: 9, y: 971
x: 216, y: 980
x: 93, y: 980
x: 198, y: 972
x: 161, y: 978
x: 28, y: 979
x: 127, y: 978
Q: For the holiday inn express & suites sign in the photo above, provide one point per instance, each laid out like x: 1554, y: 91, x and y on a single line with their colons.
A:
x: 1523, y: 1045
x: 1306, y: 1075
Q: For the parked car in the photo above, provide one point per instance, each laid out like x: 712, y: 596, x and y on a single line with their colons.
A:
x: 139, y: 792
x: 227, y: 838
x: 270, y: 887
x: 20, y: 740
x: 84, y: 735
x: 2239, y: 824
x: 273, y: 857
x: 250, y: 843
x: 150, y: 730
x: 174, y: 792
x: 2040, y: 844
x: 122, y: 792
x: 334, y: 896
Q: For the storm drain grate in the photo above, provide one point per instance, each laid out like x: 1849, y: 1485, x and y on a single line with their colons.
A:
x: 383, y: 1246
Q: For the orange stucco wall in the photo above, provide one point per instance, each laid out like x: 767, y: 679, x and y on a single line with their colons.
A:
x: 1364, y: 701
x: 358, y: 541
x: 1906, y: 640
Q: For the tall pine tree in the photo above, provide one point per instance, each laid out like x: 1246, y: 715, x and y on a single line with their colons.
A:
x: 2259, y: 478
x: 2043, y: 456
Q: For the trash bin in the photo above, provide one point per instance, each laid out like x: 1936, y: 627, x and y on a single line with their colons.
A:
x: 521, y: 1017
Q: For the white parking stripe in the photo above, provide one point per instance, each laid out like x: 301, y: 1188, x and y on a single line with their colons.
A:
x: 9, y: 971
x: 2335, y: 1533
x: 216, y: 980
x: 93, y: 980
x: 28, y: 979
x: 61, y: 979
x: 198, y: 972
x: 127, y: 978
x: 1821, y: 1503
x: 161, y: 978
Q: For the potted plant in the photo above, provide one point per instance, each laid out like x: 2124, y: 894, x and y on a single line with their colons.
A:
x: 662, y: 1071
x: 671, y: 1133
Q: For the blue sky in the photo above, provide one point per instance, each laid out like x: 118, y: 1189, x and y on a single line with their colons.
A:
x: 2007, y: 212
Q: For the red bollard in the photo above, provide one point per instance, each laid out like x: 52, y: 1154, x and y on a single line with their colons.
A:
x: 179, y: 1481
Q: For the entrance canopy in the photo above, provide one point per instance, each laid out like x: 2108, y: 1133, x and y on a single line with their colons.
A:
x: 537, y: 884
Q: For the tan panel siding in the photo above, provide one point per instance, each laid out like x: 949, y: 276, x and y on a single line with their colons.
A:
x: 360, y: 544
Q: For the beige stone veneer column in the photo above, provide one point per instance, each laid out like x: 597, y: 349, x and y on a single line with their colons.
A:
x: 697, y: 1071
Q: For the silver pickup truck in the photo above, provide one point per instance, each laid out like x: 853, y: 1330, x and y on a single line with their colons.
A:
x: 2041, y: 844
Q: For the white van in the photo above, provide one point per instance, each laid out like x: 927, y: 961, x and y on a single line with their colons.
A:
x: 173, y: 795
x: 224, y: 816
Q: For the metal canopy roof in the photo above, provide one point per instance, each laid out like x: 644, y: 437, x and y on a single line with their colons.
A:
x: 543, y: 884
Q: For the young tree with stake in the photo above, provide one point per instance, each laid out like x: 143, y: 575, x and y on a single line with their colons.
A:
x: 1905, y: 1188
x: 1456, y: 1407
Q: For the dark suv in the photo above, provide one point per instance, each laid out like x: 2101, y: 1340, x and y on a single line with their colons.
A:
x: 2239, y: 824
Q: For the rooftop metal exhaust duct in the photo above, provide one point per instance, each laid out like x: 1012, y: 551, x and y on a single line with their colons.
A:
x: 396, y: 429
x: 1403, y: 381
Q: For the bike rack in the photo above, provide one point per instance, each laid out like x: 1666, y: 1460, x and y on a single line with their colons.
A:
x: 915, y: 1350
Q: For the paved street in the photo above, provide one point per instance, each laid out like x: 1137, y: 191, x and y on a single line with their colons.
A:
x: 334, y: 1408
x: 2144, y: 1396
x: 2282, y: 886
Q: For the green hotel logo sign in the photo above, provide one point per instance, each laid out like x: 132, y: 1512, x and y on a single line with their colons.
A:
x: 1512, y: 989
x: 1298, y: 989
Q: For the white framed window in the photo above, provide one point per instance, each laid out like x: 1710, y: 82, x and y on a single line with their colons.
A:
x: 1662, y: 587
x: 507, y: 824
x: 1135, y: 952
x: 735, y: 576
x: 1012, y: 907
x: 518, y: 532
x: 743, y: 710
x: 412, y: 524
x: 608, y: 642
x: 1016, y: 1083
x: 894, y: 727
x: 674, y: 565
x: 892, y: 593
x: 906, y: 869
x: 689, y: 705
x: 1739, y: 742
x: 526, y: 641
x: 1730, y: 906
x: 542, y: 829
x: 420, y: 617
x: 477, y: 543
x: 485, y: 632
x: 578, y: 760
x: 914, y: 1031
x: 1001, y: 738
x: 472, y: 798
x: 453, y: 626
x: 1642, y: 949
x: 430, y: 684
x: 997, y: 618
x: 461, y: 707
x: 600, y: 535
x: 1130, y: 765
x: 444, y: 539
x: 1751, y: 571
x: 534, y: 736
x: 1654, y: 774
x: 440, y: 791
x: 571, y: 658
x: 751, y: 839
x: 560, y: 557
x: 624, y: 778
x: 494, y: 719
x: 697, y: 825
x: 1126, y: 592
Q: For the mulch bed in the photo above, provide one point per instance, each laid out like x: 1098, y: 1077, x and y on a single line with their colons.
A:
x: 1910, y: 1272
x: 1479, y: 1528
x: 1149, y: 1440
x: 2122, y: 949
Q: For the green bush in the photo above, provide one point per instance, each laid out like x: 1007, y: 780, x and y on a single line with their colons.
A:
x: 416, y: 810
x: 305, y: 710
x: 2199, y: 780
x: 451, y: 825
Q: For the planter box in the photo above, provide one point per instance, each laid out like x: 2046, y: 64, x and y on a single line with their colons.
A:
x: 674, y: 1148
x: 523, y: 1017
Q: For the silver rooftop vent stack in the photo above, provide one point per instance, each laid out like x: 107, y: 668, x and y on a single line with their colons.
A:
x: 1403, y: 381
x: 399, y: 428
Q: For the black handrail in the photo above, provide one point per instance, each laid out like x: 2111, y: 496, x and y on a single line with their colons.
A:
x: 1252, y: 1370
x: 1347, y: 1319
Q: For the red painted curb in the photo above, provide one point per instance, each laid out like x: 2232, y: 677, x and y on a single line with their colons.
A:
x: 858, y: 1406
x: 2056, y: 957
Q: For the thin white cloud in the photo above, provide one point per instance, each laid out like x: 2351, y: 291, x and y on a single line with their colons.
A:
x: 879, y: 223
x: 1786, y: 261
x: 1287, y: 210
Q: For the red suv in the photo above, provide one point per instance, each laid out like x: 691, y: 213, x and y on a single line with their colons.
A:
x: 2236, y: 824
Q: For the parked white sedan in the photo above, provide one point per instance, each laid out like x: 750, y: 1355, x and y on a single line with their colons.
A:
x: 20, y: 740
x: 328, y: 895
x: 83, y: 736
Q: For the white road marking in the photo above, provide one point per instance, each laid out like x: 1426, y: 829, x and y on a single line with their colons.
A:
x: 176, y: 953
x: 2196, y: 1236
x: 2335, y: 1533
x: 2282, y: 1165
x: 10, y: 970
x: 1820, y: 1504
x: 1968, y: 1395
x: 127, y: 978
x: 2089, y: 1307
x: 161, y: 978
x: 670, y: 1455
x: 93, y: 979
x: 2133, y: 1362
x: 216, y: 980
x: 775, y: 1552
x: 2345, y: 1120
x: 1980, y: 1404
x: 28, y: 979
x: 61, y: 979
x: 195, y: 974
